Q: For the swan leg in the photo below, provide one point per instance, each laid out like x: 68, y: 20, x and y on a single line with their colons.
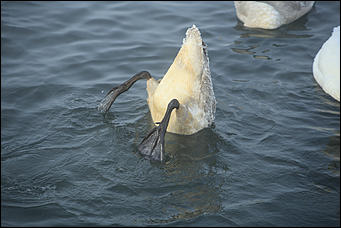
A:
x: 153, y: 144
x: 109, y: 99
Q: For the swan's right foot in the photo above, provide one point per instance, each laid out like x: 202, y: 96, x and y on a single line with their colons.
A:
x: 153, y: 144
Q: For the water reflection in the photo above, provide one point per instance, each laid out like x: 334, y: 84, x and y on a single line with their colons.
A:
x: 298, y: 28
x: 244, y: 50
x: 294, y: 30
x: 193, y: 166
x: 333, y: 151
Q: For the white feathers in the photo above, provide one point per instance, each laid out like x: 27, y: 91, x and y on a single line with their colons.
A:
x: 326, y: 66
x: 188, y: 80
x: 270, y: 14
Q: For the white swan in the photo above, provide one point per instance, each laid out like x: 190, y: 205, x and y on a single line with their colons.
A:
x: 187, y: 86
x: 270, y: 14
x: 326, y: 66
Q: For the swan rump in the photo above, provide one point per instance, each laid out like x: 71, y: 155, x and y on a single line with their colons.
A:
x: 188, y: 80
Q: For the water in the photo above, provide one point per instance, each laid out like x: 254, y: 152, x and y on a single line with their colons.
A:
x: 272, y: 158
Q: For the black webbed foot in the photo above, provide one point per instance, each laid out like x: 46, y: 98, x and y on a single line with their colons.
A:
x: 153, y: 144
x: 109, y: 99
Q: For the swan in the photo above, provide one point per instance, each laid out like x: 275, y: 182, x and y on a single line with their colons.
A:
x: 326, y: 65
x: 186, y: 88
x: 270, y: 14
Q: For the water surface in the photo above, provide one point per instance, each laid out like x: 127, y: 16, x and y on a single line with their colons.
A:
x: 272, y: 159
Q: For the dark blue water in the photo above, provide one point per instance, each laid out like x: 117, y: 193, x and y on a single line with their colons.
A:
x: 272, y: 159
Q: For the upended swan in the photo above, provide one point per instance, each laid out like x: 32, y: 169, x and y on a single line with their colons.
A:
x: 186, y: 87
x: 326, y: 66
x: 270, y: 14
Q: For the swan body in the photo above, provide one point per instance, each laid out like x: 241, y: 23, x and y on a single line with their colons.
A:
x: 270, y: 14
x: 188, y: 80
x: 326, y: 66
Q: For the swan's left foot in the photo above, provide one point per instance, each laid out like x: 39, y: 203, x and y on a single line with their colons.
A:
x: 107, y: 101
x: 153, y: 144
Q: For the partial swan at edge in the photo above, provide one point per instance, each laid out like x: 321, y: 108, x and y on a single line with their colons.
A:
x: 326, y: 66
x: 270, y: 14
